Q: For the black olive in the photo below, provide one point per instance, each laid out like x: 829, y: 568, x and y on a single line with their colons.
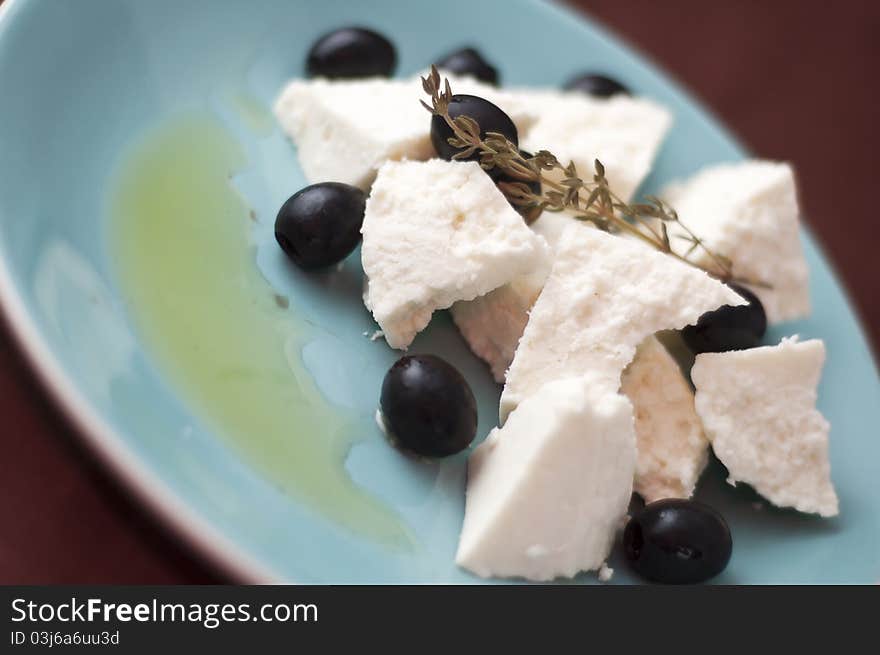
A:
x: 676, y: 541
x: 468, y: 61
x: 320, y: 225
x: 427, y: 406
x: 489, y: 117
x: 351, y: 52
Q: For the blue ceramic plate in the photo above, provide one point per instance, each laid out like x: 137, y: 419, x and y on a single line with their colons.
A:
x: 82, y: 83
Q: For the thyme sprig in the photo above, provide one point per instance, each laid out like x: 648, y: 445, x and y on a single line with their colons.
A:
x: 589, y: 200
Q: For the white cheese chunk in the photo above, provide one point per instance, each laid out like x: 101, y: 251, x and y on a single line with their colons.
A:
x: 345, y: 130
x: 672, y: 448
x: 434, y: 233
x: 625, y: 133
x: 547, y: 492
x: 758, y: 410
x: 749, y: 212
x: 493, y: 324
x: 604, y: 296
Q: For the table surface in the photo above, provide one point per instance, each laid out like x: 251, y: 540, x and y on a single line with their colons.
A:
x: 793, y: 79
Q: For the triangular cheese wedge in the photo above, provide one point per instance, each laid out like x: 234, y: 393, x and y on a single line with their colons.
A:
x: 604, y: 296
x: 758, y: 410
x: 749, y: 211
x: 547, y: 492
x: 437, y: 232
x: 625, y: 133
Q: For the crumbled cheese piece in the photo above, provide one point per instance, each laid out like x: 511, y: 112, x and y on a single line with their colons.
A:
x: 603, y: 297
x: 434, y: 233
x: 493, y: 324
x: 547, y: 491
x: 605, y: 573
x: 748, y: 211
x: 672, y: 448
x: 758, y: 410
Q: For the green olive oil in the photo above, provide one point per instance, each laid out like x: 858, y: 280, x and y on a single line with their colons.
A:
x: 181, y: 238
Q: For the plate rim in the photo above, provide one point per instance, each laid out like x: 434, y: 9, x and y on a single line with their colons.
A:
x: 103, y: 441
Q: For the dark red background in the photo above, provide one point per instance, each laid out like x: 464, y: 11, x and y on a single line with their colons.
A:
x: 795, y: 79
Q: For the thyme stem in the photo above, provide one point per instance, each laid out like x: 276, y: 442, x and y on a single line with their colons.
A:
x: 603, y: 208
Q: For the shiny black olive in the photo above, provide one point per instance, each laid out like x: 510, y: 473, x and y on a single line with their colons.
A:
x: 351, y: 52
x: 489, y: 117
x: 427, y: 406
x: 468, y: 61
x: 676, y: 541
x: 320, y: 225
